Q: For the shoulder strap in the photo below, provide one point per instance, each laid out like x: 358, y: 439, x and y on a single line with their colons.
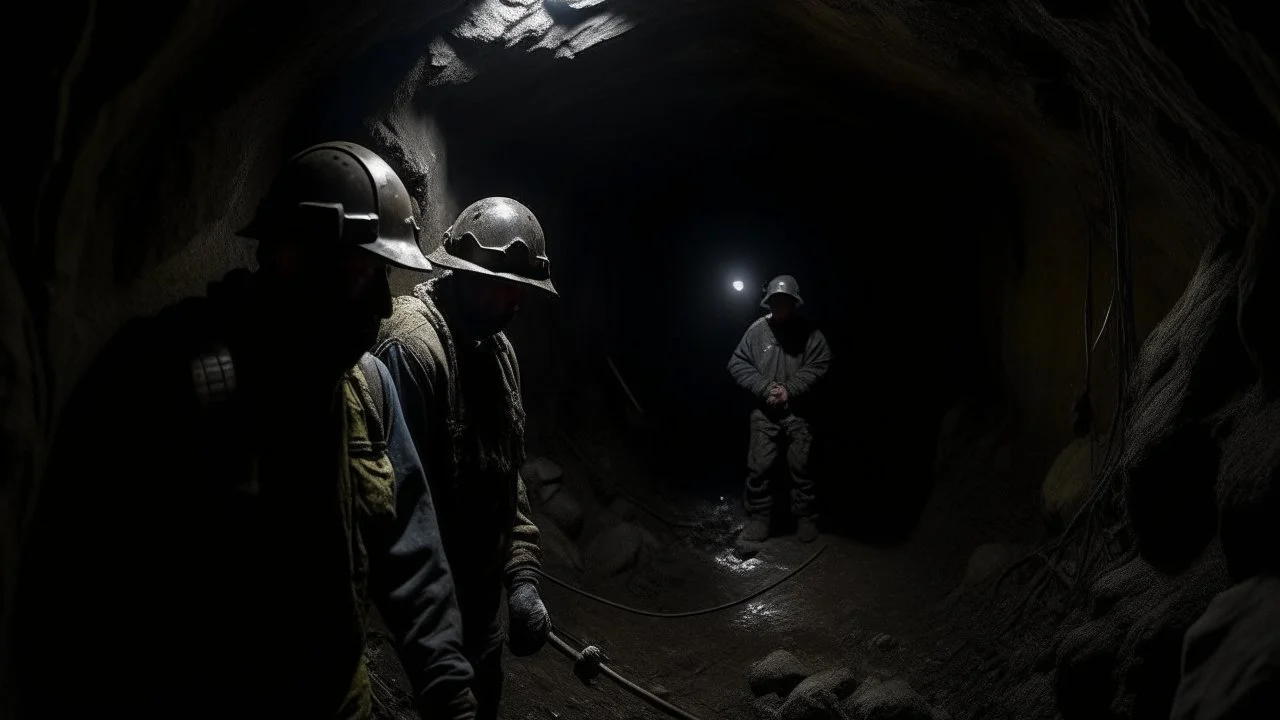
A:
x: 449, y: 350
x: 510, y: 364
x: 377, y: 396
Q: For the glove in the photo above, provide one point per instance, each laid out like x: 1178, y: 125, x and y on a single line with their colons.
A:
x: 529, y: 623
x: 777, y: 395
x: 463, y: 706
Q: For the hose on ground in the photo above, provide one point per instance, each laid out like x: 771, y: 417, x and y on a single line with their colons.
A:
x: 688, y: 613
x: 591, y: 662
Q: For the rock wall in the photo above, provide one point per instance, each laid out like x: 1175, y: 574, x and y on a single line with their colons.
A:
x: 150, y: 136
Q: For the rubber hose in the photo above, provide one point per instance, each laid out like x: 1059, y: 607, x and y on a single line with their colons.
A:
x: 688, y: 613
x: 626, y: 684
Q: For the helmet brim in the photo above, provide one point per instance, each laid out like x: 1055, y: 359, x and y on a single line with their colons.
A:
x: 442, y: 258
x: 765, y: 302
x: 400, y: 253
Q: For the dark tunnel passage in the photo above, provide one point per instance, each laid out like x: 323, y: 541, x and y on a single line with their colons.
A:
x: 882, y: 210
x: 1038, y: 238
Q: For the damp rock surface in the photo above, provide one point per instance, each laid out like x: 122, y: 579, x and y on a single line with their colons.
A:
x: 887, y: 700
x: 778, y: 673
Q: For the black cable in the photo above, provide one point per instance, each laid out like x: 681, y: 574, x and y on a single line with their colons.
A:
x: 592, y: 658
x: 688, y: 613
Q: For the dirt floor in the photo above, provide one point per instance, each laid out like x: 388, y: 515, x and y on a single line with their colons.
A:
x: 834, y: 613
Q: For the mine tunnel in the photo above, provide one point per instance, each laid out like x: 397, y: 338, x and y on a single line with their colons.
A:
x: 1034, y: 237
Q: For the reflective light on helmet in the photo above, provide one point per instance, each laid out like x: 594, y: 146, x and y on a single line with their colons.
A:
x: 504, y: 212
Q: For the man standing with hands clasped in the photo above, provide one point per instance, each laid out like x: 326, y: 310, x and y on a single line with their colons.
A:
x: 779, y: 360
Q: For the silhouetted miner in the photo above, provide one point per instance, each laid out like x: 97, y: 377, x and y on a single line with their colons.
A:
x: 232, y: 484
x: 459, y: 382
x: 779, y: 360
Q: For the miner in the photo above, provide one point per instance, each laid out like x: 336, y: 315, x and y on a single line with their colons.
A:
x: 459, y: 382
x: 779, y: 360
x: 232, y: 484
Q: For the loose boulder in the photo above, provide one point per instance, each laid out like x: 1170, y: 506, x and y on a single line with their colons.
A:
x: 1066, y: 485
x: 778, y: 673
x: 564, y: 510
x: 987, y: 561
x: 1232, y: 656
x: 615, y: 549
x: 557, y: 548
x: 879, y: 699
x: 818, y: 696
x: 538, y: 471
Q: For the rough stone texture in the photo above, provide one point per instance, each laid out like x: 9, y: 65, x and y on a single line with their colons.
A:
x: 149, y: 139
x: 563, y: 508
x: 1259, y: 298
x: 1124, y: 660
x: 818, y: 696
x: 1190, y: 367
x: 539, y: 470
x: 779, y: 672
x: 557, y: 547
x: 1248, y: 486
x: 883, y: 642
x: 891, y: 699
x: 1067, y: 484
x: 1231, y: 658
x: 616, y: 549
x: 987, y: 561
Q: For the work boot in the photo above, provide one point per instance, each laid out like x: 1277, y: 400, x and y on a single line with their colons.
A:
x: 755, y: 531
x: 806, y: 529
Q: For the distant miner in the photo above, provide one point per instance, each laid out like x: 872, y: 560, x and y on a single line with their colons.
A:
x: 779, y: 360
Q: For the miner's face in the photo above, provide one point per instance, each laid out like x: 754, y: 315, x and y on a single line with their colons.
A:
x: 339, y: 295
x: 488, y: 304
x: 782, y: 307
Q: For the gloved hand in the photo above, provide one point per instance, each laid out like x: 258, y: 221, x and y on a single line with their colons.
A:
x: 528, y: 621
x: 777, y: 395
x: 462, y: 706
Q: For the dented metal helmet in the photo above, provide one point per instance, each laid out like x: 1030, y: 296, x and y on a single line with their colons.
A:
x: 499, y: 237
x: 345, y: 193
x: 782, y: 285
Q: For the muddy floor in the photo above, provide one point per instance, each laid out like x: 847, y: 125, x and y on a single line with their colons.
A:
x: 856, y: 606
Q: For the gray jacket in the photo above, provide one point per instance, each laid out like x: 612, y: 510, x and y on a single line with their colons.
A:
x: 795, y: 356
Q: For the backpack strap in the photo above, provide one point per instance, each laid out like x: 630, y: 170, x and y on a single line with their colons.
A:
x: 375, y: 396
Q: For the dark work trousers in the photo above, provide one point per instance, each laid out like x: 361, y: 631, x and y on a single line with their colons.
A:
x: 485, y: 657
x: 768, y: 436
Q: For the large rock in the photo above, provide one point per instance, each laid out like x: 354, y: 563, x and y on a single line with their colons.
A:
x: 1124, y: 661
x: 879, y: 699
x: 1248, y: 489
x: 779, y: 672
x: 988, y: 560
x: 1067, y: 484
x: 539, y: 471
x: 1231, y: 660
x: 557, y: 548
x: 818, y: 696
x: 615, y: 549
x: 563, y: 508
